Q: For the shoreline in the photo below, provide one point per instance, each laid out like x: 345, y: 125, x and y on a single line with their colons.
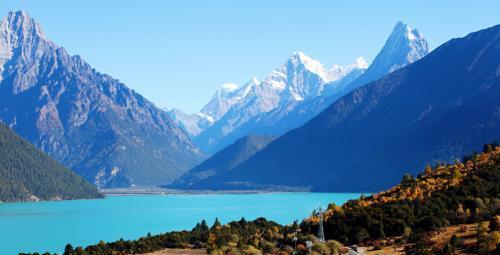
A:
x: 163, y: 191
x: 155, y: 191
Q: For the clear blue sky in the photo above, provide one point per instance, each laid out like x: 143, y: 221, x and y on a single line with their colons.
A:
x: 177, y: 53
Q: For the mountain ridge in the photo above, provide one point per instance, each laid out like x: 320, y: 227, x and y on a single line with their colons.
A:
x: 87, y: 120
x: 223, y: 161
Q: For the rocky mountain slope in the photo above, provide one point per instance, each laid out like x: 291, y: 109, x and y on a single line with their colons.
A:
x: 87, y: 120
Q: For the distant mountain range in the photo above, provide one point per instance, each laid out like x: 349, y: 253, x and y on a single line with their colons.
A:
x: 87, y: 120
x: 293, y: 93
x: 345, y: 128
x: 223, y: 161
x: 439, y: 108
x: 27, y: 174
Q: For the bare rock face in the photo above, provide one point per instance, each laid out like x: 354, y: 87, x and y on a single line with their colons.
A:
x: 87, y: 120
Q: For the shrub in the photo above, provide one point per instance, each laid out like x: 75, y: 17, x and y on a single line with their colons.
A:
x: 335, y: 246
x: 321, y: 248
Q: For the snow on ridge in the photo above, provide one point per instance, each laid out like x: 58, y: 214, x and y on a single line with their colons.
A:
x: 255, y: 80
x: 336, y: 72
x: 361, y: 63
x: 408, y: 32
x: 248, y: 86
x: 412, y: 34
x: 230, y: 87
x: 205, y: 116
x: 313, y: 65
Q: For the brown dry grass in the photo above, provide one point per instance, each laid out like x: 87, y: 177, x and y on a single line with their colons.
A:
x: 466, y: 232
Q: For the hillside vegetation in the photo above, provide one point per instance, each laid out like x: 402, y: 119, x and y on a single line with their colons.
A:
x: 27, y: 174
x: 463, y: 192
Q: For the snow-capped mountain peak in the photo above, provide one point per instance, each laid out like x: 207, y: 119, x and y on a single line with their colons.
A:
x: 23, y: 24
x: 224, y: 98
x: 225, y: 90
x: 407, y: 31
x: 219, y: 103
x: 404, y: 46
x: 302, y: 86
x: 254, y: 80
x: 18, y: 29
x: 229, y: 87
x: 312, y: 65
x: 21, y: 33
x: 360, y: 63
x: 409, y: 42
x: 336, y: 72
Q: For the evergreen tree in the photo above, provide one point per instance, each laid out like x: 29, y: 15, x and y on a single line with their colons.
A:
x: 68, y: 250
x: 407, y: 181
x: 217, y: 224
x: 204, y: 226
x: 243, y: 222
x: 487, y: 148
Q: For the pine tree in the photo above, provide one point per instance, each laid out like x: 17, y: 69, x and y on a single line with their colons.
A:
x: 487, y: 148
x: 204, y: 226
x: 243, y: 221
x: 217, y: 224
x: 68, y: 250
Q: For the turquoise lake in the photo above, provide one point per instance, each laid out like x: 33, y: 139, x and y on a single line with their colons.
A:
x: 49, y: 226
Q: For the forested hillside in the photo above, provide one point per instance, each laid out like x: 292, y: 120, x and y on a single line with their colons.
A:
x: 463, y: 192
x: 27, y: 174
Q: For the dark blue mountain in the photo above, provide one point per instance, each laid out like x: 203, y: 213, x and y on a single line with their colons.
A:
x: 436, y: 109
x: 223, y: 161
